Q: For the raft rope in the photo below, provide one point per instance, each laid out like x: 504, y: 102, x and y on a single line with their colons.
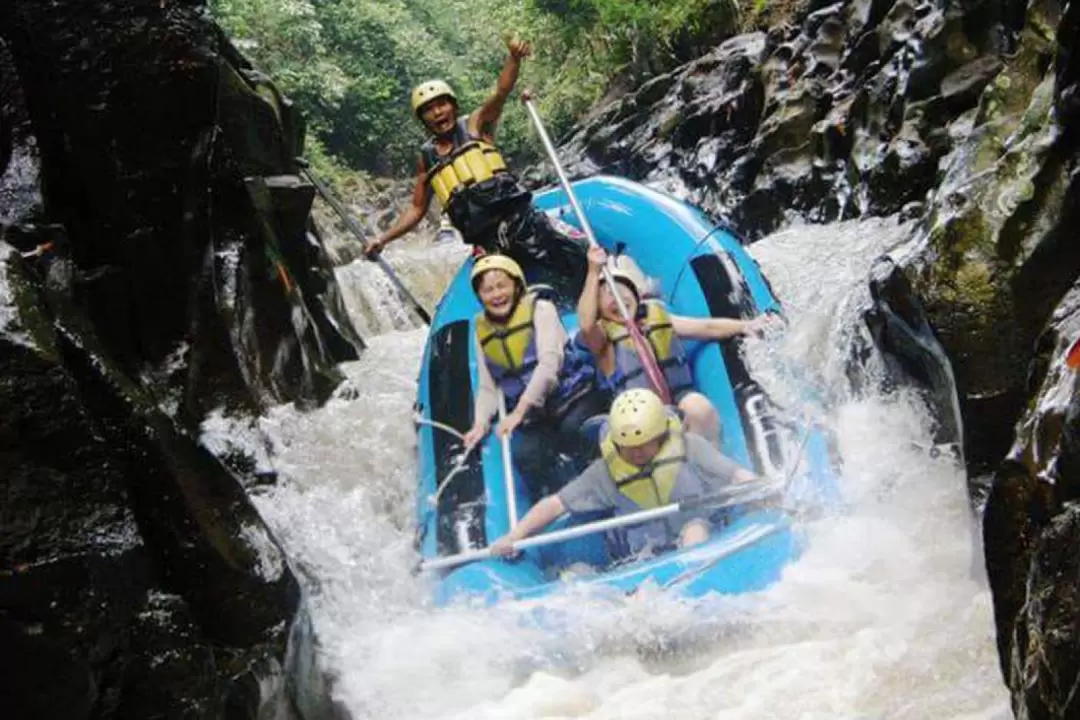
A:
x: 420, y: 420
x: 459, y: 465
x: 455, y: 470
x: 459, y: 462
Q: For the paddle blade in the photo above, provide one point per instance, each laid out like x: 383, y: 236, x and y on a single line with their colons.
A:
x: 652, y: 369
x: 1072, y: 357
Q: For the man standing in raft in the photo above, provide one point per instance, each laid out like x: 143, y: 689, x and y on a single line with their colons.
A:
x: 648, y: 461
x: 488, y: 205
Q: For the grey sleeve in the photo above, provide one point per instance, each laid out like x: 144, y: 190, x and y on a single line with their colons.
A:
x: 717, y: 470
x: 589, y: 491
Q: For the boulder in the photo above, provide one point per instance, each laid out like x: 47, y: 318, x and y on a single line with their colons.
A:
x: 840, y: 115
x: 171, y: 186
x: 157, y: 261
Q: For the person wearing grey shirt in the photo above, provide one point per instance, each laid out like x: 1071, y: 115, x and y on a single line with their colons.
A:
x: 647, y: 461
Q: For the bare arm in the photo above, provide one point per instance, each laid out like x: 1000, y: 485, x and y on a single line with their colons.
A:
x: 709, y: 328
x: 483, y: 121
x: 592, y: 335
x: 412, y: 215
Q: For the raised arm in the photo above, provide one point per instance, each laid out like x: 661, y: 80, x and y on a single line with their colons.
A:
x: 592, y: 335
x: 483, y: 121
x: 408, y: 219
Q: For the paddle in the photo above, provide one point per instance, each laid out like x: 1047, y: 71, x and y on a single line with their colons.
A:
x: 734, y: 495
x: 641, y: 346
x: 508, y: 467
x: 359, y: 234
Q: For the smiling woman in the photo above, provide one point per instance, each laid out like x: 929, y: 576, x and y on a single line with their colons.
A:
x: 530, y: 364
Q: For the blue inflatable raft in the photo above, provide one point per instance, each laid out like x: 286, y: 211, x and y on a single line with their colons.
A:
x: 701, y: 270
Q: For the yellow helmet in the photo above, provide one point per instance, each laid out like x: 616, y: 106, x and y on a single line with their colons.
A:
x: 624, y: 268
x: 424, y: 93
x: 637, y: 417
x: 496, y: 262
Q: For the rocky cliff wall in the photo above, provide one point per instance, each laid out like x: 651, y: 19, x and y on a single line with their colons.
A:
x: 962, y: 116
x: 157, y: 261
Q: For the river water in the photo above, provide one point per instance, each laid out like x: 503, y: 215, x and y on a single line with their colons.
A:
x: 885, y: 616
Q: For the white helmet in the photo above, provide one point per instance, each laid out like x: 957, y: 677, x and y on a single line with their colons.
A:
x: 623, y: 268
x: 637, y: 416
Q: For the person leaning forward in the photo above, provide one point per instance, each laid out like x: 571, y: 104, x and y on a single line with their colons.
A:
x: 549, y: 387
x: 461, y: 166
x: 648, y: 461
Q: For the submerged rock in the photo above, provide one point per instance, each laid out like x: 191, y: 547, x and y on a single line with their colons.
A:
x: 901, y: 331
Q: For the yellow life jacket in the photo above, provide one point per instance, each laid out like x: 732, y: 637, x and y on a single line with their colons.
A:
x: 651, y: 485
x: 510, y: 347
x: 657, y: 329
x: 470, y: 163
x: 475, y: 188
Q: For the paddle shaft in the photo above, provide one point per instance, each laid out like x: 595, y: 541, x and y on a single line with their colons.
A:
x: 508, y: 467
x: 641, y: 346
x: 717, y: 502
x: 359, y: 234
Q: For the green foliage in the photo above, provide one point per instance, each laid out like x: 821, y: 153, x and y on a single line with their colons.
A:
x: 350, y: 64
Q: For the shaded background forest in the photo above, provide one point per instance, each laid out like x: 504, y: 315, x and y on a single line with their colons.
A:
x: 350, y: 64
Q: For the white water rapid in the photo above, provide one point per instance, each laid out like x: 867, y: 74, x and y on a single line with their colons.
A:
x: 883, y: 617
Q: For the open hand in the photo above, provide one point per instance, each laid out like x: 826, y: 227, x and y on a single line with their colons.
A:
x: 760, y: 324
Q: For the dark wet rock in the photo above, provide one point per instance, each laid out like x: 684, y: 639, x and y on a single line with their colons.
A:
x: 1045, y: 662
x: 168, y: 663
x: 839, y: 116
x: 1017, y: 510
x: 901, y: 331
x: 1030, y: 532
x: 124, y: 544
x: 187, y: 221
x: 39, y: 678
x: 157, y: 261
x: 996, y: 261
x: 996, y: 268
